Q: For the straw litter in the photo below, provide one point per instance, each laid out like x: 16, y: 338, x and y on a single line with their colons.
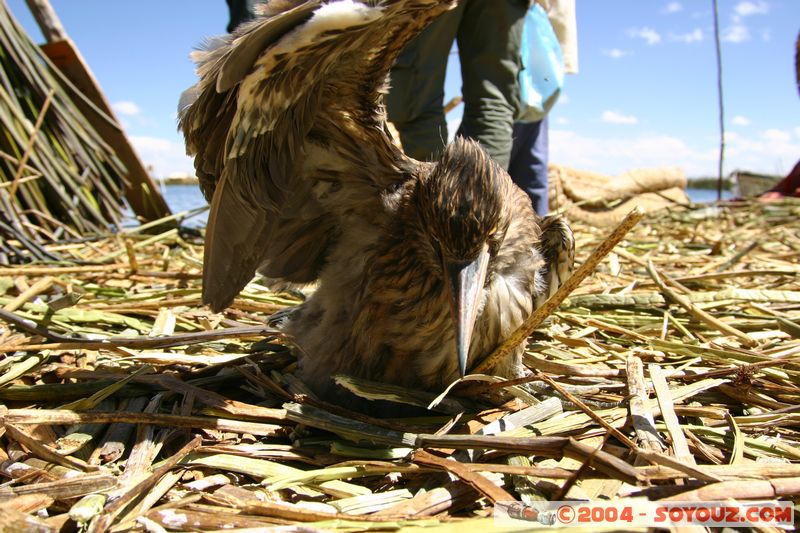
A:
x: 670, y: 373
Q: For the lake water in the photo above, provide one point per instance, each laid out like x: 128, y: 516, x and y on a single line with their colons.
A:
x: 706, y: 195
x: 185, y: 197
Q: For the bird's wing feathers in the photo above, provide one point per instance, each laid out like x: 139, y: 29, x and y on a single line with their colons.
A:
x: 234, y: 258
x: 237, y: 62
x: 288, y: 131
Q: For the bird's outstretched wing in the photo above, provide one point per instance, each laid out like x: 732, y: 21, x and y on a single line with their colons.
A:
x: 289, y: 136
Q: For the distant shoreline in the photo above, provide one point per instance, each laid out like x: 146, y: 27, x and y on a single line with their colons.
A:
x: 184, y: 179
x: 709, y: 183
x: 693, y: 183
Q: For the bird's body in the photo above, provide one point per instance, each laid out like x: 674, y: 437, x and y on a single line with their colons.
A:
x: 422, y: 268
x: 382, y: 310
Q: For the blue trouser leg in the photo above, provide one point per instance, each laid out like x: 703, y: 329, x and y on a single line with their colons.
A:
x: 528, y: 166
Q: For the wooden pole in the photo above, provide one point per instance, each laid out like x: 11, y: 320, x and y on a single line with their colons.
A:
x: 721, y: 101
x: 140, y: 190
x: 48, y: 21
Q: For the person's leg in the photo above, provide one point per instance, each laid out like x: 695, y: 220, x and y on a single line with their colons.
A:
x: 489, y: 48
x: 240, y: 11
x: 528, y: 166
x: 415, y: 100
x: 788, y: 186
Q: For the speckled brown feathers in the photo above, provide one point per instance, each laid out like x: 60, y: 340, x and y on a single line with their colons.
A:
x: 448, y: 206
x: 290, y: 142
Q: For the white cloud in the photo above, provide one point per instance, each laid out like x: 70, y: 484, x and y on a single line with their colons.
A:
x: 739, y: 120
x: 650, y: 35
x: 672, y: 7
x: 165, y: 156
x: 126, y: 108
x: 613, y: 155
x: 615, y: 53
x: 747, y: 8
x: 736, y: 34
x: 695, y: 36
x: 770, y: 151
x: 562, y: 121
x: 777, y: 136
x: 563, y: 99
x: 614, y: 117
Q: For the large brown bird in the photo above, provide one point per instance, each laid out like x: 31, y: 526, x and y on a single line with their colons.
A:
x: 422, y: 268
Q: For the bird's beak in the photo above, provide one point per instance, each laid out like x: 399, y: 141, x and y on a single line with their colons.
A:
x: 465, y: 280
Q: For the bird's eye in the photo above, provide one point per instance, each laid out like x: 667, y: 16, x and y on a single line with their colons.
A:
x: 492, y: 231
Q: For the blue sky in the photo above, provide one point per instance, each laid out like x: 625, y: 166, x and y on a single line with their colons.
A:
x: 645, y: 94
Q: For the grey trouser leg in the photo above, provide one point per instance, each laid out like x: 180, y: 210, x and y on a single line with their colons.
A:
x: 240, y: 11
x: 488, y: 33
x: 489, y: 47
x: 415, y: 100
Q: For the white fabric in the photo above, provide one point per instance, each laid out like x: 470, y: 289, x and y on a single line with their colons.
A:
x: 562, y: 17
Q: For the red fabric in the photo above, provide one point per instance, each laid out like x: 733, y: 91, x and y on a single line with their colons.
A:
x: 788, y: 186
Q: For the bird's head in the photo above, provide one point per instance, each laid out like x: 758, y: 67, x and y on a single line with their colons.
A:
x: 463, y: 209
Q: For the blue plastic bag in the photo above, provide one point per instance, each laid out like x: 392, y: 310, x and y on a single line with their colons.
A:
x: 542, y: 74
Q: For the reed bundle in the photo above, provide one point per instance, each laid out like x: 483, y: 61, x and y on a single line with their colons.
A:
x: 58, y: 178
